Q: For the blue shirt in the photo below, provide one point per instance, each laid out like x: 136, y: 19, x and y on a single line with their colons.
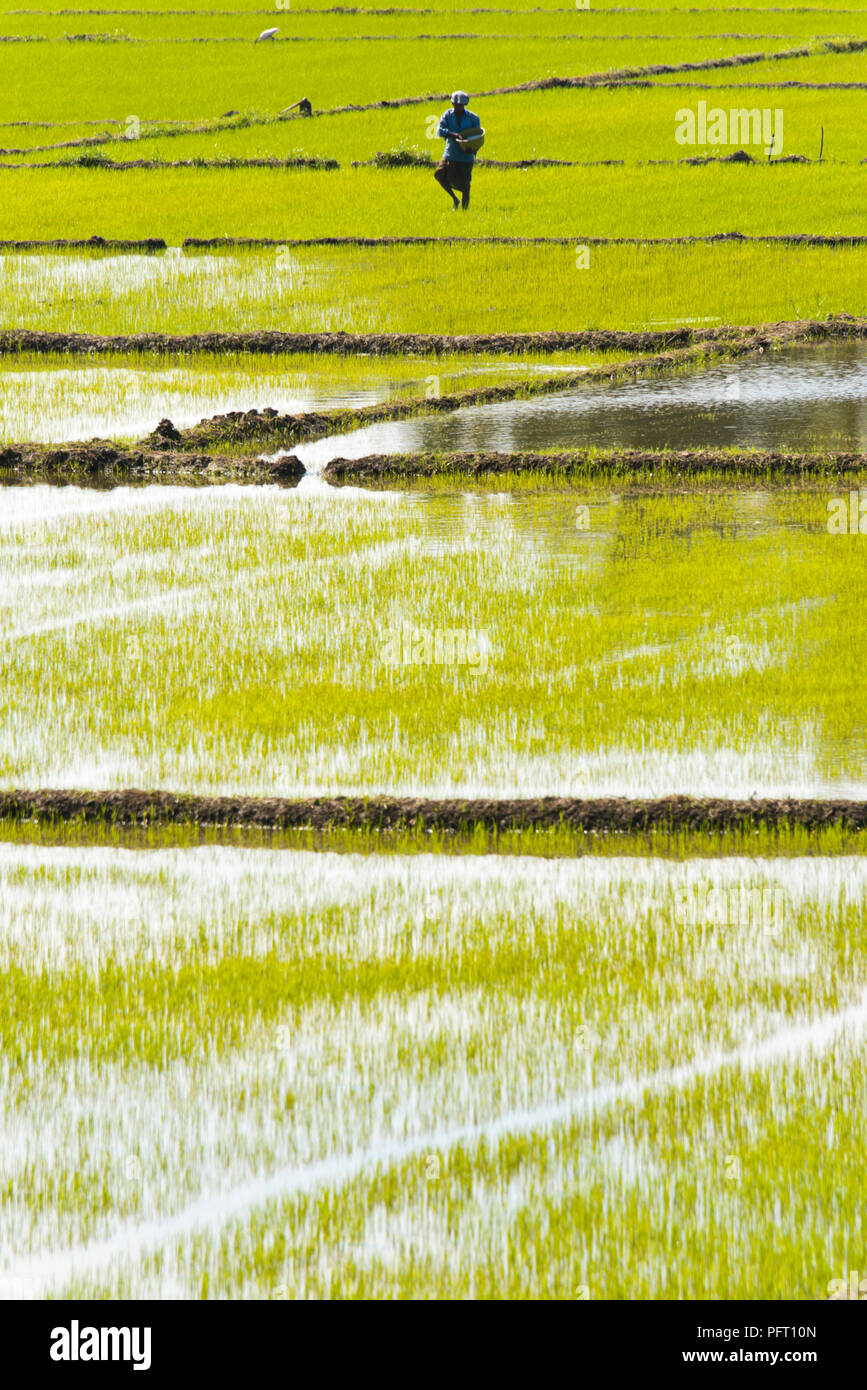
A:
x: 449, y: 125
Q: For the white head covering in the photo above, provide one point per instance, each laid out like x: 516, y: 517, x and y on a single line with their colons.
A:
x: 459, y: 98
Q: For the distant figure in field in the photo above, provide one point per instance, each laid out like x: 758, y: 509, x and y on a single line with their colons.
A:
x: 455, y: 170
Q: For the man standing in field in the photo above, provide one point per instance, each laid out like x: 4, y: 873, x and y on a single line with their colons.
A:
x: 455, y: 169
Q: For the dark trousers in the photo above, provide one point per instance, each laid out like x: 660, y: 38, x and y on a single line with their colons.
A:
x: 455, y: 176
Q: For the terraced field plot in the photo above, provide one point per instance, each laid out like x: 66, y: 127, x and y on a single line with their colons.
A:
x: 301, y: 641
x: 122, y: 397
x: 388, y: 289
x: 279, y: 1075
x: 810, y: 400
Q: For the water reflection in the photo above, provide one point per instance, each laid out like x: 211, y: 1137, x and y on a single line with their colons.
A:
x: 807, y: 399
x: 51, y: 404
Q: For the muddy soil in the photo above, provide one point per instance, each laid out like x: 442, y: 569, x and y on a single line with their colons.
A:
x: 186, y: 342
x: 155, y: 460
x: 119, y: 165
x: 271, y: 343
x: 93, y: 243
x: 605, y: 815
x: 637, y: 463
x: 151, y: 461
x: 385, y: 161
x: 405, y: 159
x: 781, y: 239
x: 756, y: 86
x: 83, y: 142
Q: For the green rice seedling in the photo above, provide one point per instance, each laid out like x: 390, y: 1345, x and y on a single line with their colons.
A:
x: 59, y: 398
x: 400, y: 289
x: 632, y: 125
x: 555, y: 21
x: 317, y: 640
x: 291, y: 203
x: 309, y: 1074
x: 250, y: 1065
x: 760, y: 841
x: 157, y: 81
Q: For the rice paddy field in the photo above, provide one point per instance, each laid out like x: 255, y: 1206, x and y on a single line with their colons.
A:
x: 270, y: 1075
x: 505, y: 289
x: 241, y: 1064
x: 121, y: 397
x: 668, y: 645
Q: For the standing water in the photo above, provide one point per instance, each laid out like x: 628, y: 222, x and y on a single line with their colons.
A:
x: 803, y: 400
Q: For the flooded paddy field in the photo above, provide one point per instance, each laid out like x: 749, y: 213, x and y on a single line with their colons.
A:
x: 368, y: 280
x: 54, y: 400
x: 232, y: 1073
x: 563, y: 641
x: 798, y: 399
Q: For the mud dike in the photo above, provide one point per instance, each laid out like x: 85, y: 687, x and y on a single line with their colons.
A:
x: 607, y: 815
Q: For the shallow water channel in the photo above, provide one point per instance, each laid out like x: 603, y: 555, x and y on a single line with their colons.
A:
x: 799, y: 399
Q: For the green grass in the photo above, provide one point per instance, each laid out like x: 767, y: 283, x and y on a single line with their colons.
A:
x: 225, y: 1017
x: 57, y: 398
x: 573, y: 203
x: 635, y: 125
x: 403, y: 289
x: 672, y: 644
